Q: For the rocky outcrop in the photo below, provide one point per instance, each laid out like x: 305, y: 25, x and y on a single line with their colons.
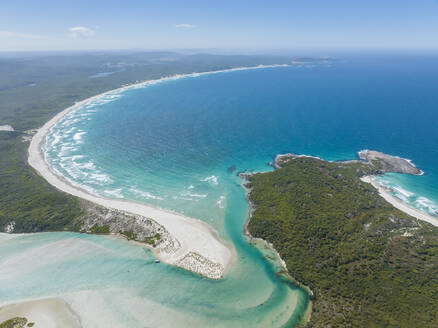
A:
x: 387, y: 163
x: 197, y: 263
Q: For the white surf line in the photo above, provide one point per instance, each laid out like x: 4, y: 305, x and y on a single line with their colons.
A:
x: 7, y: 128
x: 399, y: 204
x: 194, y: 236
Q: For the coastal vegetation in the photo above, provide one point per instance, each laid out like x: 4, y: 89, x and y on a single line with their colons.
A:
x: 152, y: 240
x: 17, y: 322
x: 367, y: 263
x: 131, y: 234
x: 104, y: 229
x: 28, y: 203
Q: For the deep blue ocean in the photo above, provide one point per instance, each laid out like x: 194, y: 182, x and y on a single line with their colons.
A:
x: 179, y: 145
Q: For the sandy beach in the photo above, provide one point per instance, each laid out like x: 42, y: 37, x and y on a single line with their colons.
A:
x: 200, y: 251
x: 399, y: 204
x: 46, y: 313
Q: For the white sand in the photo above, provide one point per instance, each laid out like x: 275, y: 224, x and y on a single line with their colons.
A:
x: 194, y: 236
x: 399, y: 204
x: 46, y: 313
x: 6, y: 128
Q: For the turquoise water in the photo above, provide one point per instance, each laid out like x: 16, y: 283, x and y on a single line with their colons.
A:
x: 179, y: 145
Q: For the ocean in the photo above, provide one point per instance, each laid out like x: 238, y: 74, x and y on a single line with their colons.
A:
x: 180, y: 144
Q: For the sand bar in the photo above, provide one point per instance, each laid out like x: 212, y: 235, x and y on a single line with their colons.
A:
x: 399, y: 204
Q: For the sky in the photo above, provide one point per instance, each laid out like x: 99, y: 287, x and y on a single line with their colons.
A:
x: 41, y: 25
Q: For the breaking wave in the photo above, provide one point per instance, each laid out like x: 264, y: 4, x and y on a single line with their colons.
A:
x: 211, y: 179
x: 417, y: 201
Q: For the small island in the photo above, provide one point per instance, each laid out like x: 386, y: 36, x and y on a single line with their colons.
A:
x: 359, y: 255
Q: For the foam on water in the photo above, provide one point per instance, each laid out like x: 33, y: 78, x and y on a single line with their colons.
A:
x: 417, y: 201
x: 221, y: 201
x: 145, y: 194
x: 211, y: 179
x: 116, y: 193
x: 78, y: 136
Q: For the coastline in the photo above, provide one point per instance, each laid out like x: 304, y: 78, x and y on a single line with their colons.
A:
x: 399, y: 204
x: 200, y: 249
x: 285, y: 272
x: 276, y: 194
x: 368, y: 179
x: 193, y: 236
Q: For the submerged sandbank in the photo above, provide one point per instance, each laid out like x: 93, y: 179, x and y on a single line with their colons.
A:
x: 47, y: 313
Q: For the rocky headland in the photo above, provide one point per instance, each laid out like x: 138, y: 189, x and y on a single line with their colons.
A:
x: 353, y: 245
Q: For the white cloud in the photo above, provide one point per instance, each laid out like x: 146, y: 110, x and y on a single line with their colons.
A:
x: 8, y: 34
x: 81, y: 32
x: 185, y: 26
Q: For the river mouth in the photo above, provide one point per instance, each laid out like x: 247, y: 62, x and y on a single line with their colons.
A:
x: 250, y: 293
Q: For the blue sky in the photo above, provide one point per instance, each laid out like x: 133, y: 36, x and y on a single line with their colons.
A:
x: 251, y: 25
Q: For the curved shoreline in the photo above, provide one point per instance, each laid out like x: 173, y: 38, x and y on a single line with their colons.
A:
x: 253, y: 241
x: 420, y: 215
x: 200, y: 249
x: 400, y: 204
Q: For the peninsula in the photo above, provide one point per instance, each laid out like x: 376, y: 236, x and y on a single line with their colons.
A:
x: 357, y: 253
